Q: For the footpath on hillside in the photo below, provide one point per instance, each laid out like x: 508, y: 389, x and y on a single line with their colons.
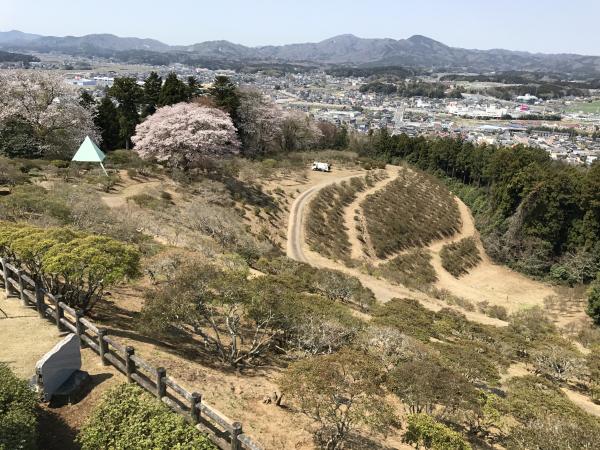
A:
x: 24, y: 337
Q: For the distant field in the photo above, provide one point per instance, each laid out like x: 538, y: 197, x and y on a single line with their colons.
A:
x: 593, y: 107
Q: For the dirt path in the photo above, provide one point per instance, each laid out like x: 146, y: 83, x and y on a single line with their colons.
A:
x: 487, y: 281
x: 384, y: 291
x: 24, y: 337
x: 119, y: 198
x: 357, y: 249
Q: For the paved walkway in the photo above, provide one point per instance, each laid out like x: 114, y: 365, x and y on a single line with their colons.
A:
x: 24, y: 337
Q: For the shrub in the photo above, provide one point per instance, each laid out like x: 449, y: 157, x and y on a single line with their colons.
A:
x: 425, y: 431
x: 81, y: 269
x: 28, y: 202
x: 495, y: 311
x: 325, y: 228
x: 18, y: 421
x: 536, y: 403
x: 593, y: 308
x: 411, y: 211
x: 10, y: 175
x: 124, y: 159
x: 128, y: 417
x: 340, y: 392
x: 149, y: 201
x: 458, y: 258
x: 413, y: 270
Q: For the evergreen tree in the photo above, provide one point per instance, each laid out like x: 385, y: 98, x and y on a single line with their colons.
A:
x: 129, y: 96
x: 226, y: 96
x: 86, y: 100
x: 173, y: 91
x: 107, y: 120
x: 194, y: 88
x: 152, y: 88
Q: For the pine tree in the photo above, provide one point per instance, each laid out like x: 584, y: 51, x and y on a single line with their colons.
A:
x: 173, y: 91
x: 226, y: 96
x: 86, y: 100
x: 129, y: 96
x: 107, y: 120
x: 194, y: 87
x: 152, y: 88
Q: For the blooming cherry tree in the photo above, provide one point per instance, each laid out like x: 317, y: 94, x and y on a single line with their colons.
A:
x: 49, y: 106
x: 185, y: 134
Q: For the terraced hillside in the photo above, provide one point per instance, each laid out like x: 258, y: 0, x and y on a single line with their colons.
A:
x: 411, y: 211
x: 326, y: 232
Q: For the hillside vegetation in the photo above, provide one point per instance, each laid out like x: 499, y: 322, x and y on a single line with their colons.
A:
x: 459, y: 257
x: 326, y: 230
x: 539, y: 216
x: 411, y: 211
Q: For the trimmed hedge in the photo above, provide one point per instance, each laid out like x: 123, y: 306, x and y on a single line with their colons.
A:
x: 18, y: 418
x: 128, y: 417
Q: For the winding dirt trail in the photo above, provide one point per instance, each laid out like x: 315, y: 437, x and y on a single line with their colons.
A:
x: 488, y: 281
x: 357, y: 248
x: 384, y: 291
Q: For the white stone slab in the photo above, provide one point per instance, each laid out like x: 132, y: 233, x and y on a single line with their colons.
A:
x: 58, y: 364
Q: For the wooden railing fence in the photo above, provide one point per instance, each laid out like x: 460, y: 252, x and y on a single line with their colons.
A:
x: 225, y: 433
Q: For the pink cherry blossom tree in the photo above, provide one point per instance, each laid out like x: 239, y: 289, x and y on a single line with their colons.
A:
x: 50, y: 106
x: 185, y: 134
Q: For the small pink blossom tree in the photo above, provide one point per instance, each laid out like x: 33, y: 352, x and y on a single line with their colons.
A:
x: 185, y: 134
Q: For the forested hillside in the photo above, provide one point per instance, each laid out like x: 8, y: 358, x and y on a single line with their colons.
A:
x: 539, y: 216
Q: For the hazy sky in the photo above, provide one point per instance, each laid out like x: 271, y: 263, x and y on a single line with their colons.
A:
x: 550, y: 26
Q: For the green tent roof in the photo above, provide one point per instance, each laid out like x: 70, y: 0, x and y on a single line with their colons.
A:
x: 89, y: 152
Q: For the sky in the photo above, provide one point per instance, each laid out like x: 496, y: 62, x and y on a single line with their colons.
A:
x: 549, y: 26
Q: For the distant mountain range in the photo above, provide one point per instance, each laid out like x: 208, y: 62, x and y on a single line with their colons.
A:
x: 346, y: 50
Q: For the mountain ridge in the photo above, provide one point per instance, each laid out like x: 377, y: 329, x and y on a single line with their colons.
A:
x: 346, y: 49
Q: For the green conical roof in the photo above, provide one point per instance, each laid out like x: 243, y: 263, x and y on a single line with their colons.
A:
x: 89, y: 152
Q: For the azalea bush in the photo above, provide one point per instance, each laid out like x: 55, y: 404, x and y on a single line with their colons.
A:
x: 18, y: 420
x: 129, y: 417
x: 77, y: 266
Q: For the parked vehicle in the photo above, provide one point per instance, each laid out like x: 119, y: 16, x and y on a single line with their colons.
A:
x: 321, y: 167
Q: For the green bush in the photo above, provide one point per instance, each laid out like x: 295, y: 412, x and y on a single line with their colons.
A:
x: 593, y: 308
x: 127, y: 417
x: 30, y: 202
x: 413, y: 270
x: 124, y: 159
x: 459, y: 257
x: 18, y: 420
x: 425, y: 431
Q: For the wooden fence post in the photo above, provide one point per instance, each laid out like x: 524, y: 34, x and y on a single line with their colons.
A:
x: 39, y: 298
x: 129, y: 363
x: 59, y: 313
x: 102, y: 346
x: 22, y: 287
x: 195, y: 407
x: 161, y: 386
x: 235, y: 432
x: 7, y: 286
x: 79, y: 325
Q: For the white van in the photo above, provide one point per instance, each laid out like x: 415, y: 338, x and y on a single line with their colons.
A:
x: 321, y: 167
